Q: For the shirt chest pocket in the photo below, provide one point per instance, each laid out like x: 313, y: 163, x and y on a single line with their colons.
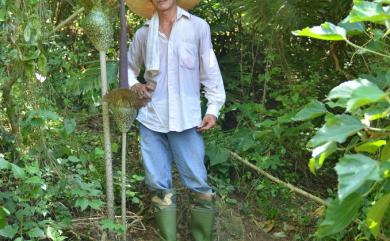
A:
x: 187, y: 55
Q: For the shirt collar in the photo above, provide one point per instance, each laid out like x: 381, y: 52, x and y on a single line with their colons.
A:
x: 179, y: 13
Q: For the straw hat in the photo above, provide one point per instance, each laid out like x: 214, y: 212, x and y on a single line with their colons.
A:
x: 145, y: 8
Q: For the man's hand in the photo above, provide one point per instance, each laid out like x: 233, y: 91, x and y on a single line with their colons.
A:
x: 144, y: 93
x: 209, y: 121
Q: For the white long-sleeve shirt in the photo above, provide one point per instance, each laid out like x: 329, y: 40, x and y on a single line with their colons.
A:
x: 187, y: 60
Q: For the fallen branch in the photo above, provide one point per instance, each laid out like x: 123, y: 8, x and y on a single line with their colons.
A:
x: 277, y: 180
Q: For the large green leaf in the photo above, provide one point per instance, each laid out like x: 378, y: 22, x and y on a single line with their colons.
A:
x: 9, y: 231
x: 345, y: 90
x: 217, y: 154
x: 364, y: 95
x: 339, y: 215
x: 36, y: 233
x: 354, y: 171
x: 385, y: 153
x: 352, y: 28
x: 337, y: 129
x: 4, y: 164
x: 319, y: 154
x: 327, y: 31
x: 369, y: 11
x: 370, y: 147
x: 310, y: 111
x: 376, y: 213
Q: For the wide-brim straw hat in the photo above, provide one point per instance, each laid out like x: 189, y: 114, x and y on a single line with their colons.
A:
x: 145, y: 8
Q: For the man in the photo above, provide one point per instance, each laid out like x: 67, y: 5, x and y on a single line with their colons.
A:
x: 175, y: 47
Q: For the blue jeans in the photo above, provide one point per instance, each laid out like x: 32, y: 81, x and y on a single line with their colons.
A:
x: 186, y: 149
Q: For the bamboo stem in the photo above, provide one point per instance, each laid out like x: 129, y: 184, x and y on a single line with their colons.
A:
x: 107, y: 140
x: 277, y: 180
x: 124, y: 222
x: 69, y: 19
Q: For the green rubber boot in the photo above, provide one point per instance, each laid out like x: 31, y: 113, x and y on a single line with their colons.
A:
x: 202, y: 220
x: 166, y: 222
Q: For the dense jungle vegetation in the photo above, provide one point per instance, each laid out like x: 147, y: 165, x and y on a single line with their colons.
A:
x: 308, y: 101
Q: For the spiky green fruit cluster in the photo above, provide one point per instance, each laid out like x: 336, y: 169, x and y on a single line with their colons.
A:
x: 98, y: 28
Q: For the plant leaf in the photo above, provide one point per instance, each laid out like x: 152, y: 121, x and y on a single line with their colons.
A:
x: 216, y: 154
x: 376, y: 213
x: 3, y: 216
x: 345, y: 90
x: 353, y: 171
x: 339, y: 215
x: 370, y: 147
x: 327, y: 31
x: 337, y: 129
x: 364, y: 95
x: 368, y: 11
x: 319, y: 154
x: 352, y: 28
x: 312, y: 110
x: 9, y: 231
x: 36, y: 233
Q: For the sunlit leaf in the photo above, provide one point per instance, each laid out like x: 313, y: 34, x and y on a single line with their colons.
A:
x: 337, y: 129
x: 345, y: 89
x: 310, y: 111
x: 369, y: 11
x: 339, y: 215
x: 327, y: 31
x: 376, y: 213
x: 36, y: 233
x: 364, y: 95
x: 319, y: 154
x: 385, y: 153
x: 370, y: 147
x: 354, y: 171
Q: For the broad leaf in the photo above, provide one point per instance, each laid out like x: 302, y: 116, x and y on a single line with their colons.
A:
x: 310, y: 111
x: 375, y: 112
x: 352, y: 28
x: 17, y: 171
x: 368, y: 11
x: 327, y: 31
x: 319, y: 154
x: 354, y: 171
x: 9, y: 231
x: 217, y: 154
x: 376, y: 213
x: 338, y: 129
x: 4, y: 164
x: 69, y: 126
x: 345, y: 90
x: 339, y: 215
x: 385, y: 153
x: 36, y: 233
x: 370, y: 147
x: 364, y: 95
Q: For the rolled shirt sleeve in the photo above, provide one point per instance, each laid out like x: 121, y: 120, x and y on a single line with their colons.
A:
x: 135, y: 59
x: 210, y: 74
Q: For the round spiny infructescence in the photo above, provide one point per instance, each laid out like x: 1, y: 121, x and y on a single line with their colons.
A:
x: 123, y: 117
x: 124, y: 105
x: 98, y: 27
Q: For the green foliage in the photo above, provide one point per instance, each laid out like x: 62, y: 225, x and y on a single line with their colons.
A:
x: 362, y: 174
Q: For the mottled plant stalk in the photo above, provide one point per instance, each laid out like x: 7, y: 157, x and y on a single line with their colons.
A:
x: 107, y: 140
x: 124, y: 148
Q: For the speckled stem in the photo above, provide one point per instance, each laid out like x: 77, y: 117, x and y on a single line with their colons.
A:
x: 107, y: 140
x: 124, y: 148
